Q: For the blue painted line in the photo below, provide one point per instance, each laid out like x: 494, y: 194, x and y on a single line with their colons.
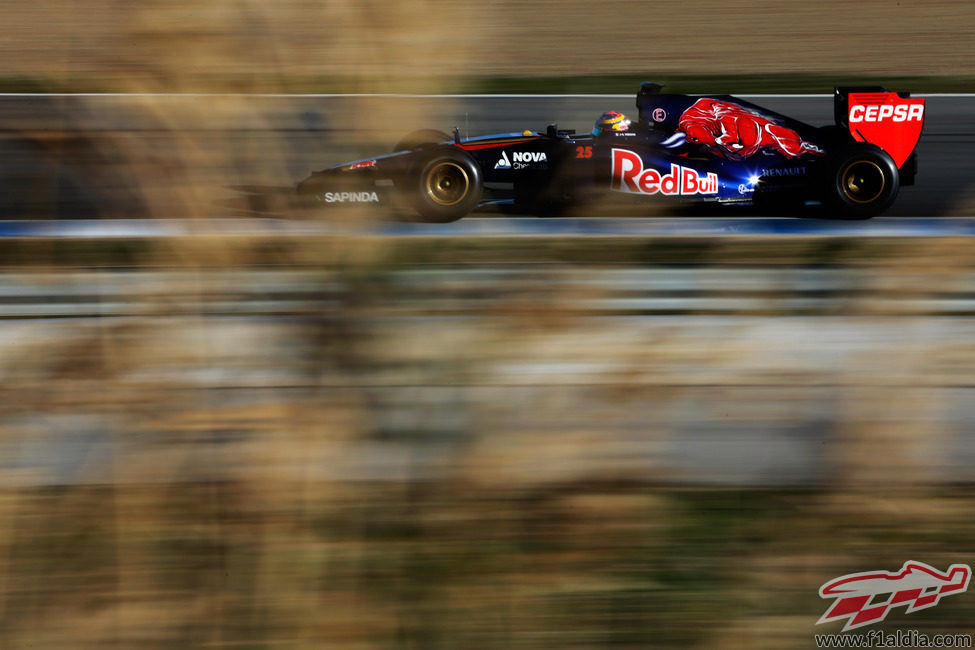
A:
x: 497, y: 227
x: 690, y: 227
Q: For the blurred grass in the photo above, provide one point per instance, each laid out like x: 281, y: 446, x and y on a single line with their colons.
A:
x: 524, y: 515
x: 581, y: 565
x: 732, y: 84
x: 494, y: 46
x: 376, y: 253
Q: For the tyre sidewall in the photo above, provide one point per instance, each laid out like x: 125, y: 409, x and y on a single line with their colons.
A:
x: 839, y: 200
x: 428, y: 207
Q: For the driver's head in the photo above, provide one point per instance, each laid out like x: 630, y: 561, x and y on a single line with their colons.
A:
x: 611, y: 121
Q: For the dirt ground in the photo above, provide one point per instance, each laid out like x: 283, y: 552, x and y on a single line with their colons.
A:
x: 176, y: 44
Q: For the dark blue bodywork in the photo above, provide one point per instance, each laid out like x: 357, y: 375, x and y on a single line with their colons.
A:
x: 576, y: 160
x: 700, y: 148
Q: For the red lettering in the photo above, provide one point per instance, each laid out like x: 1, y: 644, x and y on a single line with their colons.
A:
x: 670, y: 184
x: 650, y: 181
x: 627, y: 166
x: 629, y: 175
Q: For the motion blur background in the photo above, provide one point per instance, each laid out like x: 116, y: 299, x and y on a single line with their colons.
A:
x: 358, y: 441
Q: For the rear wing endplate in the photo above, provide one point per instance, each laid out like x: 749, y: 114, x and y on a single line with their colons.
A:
x: 892, y: 121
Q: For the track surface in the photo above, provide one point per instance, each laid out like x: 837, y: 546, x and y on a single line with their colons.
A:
x: 493, y: 226
x: 71, y: 157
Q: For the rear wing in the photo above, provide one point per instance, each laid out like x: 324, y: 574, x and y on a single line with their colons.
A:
x: 893, y: 121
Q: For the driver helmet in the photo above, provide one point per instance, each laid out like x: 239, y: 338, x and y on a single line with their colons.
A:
x: 611, y: 121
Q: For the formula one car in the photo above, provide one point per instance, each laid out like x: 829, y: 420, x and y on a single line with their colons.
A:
x: 691, y: 148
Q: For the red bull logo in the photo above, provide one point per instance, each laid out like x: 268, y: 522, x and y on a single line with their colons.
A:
x: 735, y: 132
x: 629, y: 175
x: 866, y: 598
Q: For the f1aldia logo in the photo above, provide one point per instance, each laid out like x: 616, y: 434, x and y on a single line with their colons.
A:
x: 522, y: 160
x: 866, y: 598
x: 629, y: 175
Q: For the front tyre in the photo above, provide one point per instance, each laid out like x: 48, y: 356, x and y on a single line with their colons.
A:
x: 447, y: 186
x: 862, y: 182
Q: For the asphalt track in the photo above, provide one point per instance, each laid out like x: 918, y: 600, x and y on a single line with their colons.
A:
x: 494, y: 226
x: 278, y: 140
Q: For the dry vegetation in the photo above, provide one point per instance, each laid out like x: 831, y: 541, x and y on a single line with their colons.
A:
x: 175, y: 45
x: 362, y: 475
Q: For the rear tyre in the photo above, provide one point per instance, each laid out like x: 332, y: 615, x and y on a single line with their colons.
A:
x: 447, y: 185
x: 422, y: 139
x: 861, y: 183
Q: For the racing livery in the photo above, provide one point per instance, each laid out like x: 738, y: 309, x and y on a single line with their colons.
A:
x: 711, y: 148
x: 733, y: 131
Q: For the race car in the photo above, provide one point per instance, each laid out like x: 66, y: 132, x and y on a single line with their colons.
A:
x: 688, y: 148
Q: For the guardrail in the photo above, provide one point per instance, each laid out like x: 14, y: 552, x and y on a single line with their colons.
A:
x: 721, y: 373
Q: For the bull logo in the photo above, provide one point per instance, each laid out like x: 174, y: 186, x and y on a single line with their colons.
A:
x: 735, y: 132
x: 866, y: 598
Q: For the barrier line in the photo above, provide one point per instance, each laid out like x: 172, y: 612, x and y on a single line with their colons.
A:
x: 496, y: 227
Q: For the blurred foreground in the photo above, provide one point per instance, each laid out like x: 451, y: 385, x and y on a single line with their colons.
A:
x: 426, y: 45
x: 374, y: 443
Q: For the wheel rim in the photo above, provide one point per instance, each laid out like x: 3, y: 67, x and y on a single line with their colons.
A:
x: 447, y: 183
x: 863, y: 181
